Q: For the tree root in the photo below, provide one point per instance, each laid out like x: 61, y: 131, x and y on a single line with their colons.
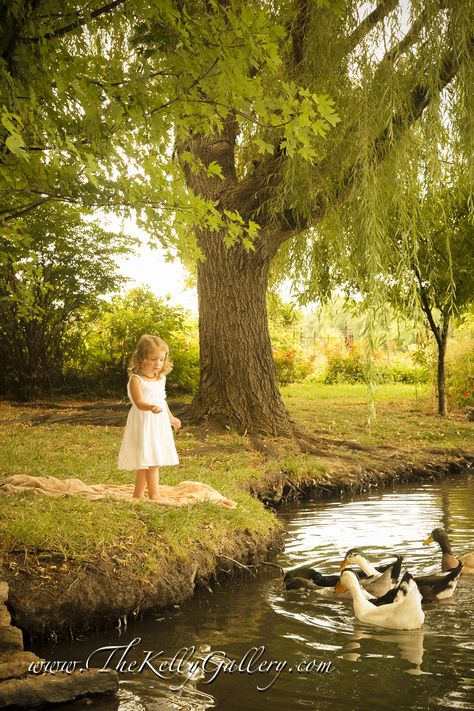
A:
x: 308, y: 439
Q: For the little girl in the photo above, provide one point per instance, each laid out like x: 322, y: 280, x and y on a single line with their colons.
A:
x: 148, y: 440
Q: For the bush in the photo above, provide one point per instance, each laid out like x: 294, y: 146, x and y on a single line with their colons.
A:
x: 460, y: 367
x: 352, y: 367
x: 401, y: 374
x: 291, y: 366
x: 100, y: 368
x: 347, y: 367
x: 184, y: 377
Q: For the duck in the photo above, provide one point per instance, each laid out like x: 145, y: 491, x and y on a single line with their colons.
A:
x: 399, y: 609
x: 305, y: 578
x: 449, y: 560
x: 395, y: 567
x: 438, y: 587
x: 432, y: 587
x: 376, y: 581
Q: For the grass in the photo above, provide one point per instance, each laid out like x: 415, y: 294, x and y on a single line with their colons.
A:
x: 77, y: 529
x: 405, y: 415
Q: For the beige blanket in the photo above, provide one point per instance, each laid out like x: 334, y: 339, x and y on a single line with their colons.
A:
x: 183, y: 494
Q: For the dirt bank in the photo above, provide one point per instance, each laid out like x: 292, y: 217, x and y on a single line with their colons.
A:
x: 345, y: 473
x: 49, y: 600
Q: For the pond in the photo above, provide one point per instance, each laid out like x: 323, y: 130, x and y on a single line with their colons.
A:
x: 215, y: 650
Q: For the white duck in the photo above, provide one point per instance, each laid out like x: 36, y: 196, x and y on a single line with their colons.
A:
x: 432, y: 587
x: 399, y: 609
x: 376, y: 583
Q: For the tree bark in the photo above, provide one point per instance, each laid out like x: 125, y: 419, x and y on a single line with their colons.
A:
x: 238, y: 385
x: 441, y: 373
x: 440, y: 332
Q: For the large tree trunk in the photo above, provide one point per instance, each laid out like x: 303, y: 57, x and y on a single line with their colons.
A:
x: 238, y: 385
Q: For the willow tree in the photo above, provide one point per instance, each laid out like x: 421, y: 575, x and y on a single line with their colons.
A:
x: 387, y: 69
x: 280, y: 114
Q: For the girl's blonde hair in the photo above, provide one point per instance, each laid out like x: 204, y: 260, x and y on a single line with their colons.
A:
x: 145, y: 347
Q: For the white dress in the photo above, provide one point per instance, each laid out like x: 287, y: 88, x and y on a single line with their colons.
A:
x: 148, y: 437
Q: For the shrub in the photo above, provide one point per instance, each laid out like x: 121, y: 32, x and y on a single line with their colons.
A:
x: 460, y: 367
x: 347, y: 367
x: 401, y: 374
x: 352, y: 367
x: 101, y: 366
x: 291, y: 366
x: 184, y: 377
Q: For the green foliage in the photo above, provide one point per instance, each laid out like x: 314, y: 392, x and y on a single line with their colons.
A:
x: 292, y: 366
x: 90, y: 104
x: 283, y: 321
x: 350, y: 366
x: 101, y: 365
x: 401, y: 373
x: 54, y: 265
x: 460, y: 365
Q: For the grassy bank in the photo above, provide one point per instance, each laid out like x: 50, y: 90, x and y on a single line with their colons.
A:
x: 63, y: 557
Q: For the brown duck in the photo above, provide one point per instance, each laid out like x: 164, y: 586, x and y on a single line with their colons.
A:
x: 449, y: 560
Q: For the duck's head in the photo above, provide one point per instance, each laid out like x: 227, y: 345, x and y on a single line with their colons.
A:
x: 351, y: 557
x: 438, y: 535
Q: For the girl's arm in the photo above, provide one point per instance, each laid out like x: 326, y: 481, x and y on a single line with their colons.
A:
x: 175, y: 422
x: 137, y: 397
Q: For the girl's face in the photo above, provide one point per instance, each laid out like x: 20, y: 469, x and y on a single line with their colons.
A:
x: 154, y: 361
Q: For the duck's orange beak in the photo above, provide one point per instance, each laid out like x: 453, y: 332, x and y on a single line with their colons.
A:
x: 340, y: 588
x: 428, y: 540
x: 343, y: 565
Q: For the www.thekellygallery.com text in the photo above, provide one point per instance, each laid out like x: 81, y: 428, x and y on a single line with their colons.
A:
x: 186, y: 664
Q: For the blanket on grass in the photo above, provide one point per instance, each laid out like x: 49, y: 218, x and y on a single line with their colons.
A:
x: 183, y: 494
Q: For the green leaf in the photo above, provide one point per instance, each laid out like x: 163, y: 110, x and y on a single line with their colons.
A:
x: 264, y: 146
x: 16, y: 145
x: 214, y: 168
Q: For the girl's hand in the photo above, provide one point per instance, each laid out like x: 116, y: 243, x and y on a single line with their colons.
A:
x: 175, y: 423
x: 156, y: 409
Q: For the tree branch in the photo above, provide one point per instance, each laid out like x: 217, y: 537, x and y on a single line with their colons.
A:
x: 194, y: 83
x: 410, y: 38
x: 298, y: 30
x: 79, y: 22
x: 425, y: 305
x: 23, y: 210
x: 368, y: 23
x: 417, y: 101
x: 10, y: 31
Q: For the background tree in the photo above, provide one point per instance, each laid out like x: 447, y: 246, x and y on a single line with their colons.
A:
x: 114, y: 329
x: 442, y: 270
x: 57, y: 265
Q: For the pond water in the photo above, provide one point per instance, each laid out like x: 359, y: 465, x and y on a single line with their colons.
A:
x: 326, y: 659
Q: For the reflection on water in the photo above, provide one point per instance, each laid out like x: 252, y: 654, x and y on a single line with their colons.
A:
x: 409, y: 644
x: 308, y: 650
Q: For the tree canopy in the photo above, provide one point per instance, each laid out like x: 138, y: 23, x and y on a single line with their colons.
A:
x: 237, y: 131
x: 56, y: 267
